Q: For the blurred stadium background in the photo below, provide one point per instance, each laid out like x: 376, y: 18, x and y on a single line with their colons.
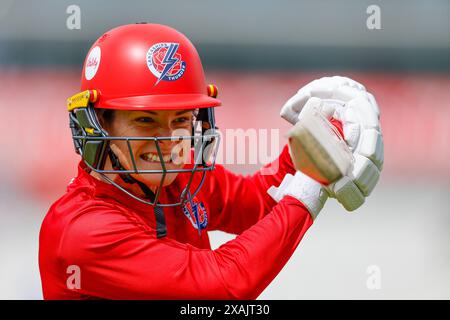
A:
x: 259, y: 53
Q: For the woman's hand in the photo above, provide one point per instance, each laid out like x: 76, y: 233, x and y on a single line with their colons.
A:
x: 359, y: 114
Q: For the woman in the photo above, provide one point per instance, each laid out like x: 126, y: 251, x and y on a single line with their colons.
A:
x: 132, y: 224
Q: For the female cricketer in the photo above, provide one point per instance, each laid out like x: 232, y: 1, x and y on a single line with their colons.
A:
x: 133, y: 223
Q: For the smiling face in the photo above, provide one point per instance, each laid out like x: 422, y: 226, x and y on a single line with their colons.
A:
x: 155, y: 123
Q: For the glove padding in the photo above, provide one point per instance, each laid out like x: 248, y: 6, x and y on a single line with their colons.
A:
x: 349, y: 102
x: 306, y: 190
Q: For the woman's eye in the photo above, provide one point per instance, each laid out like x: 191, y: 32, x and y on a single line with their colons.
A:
x: 182, y: 120
x: 144, y: 120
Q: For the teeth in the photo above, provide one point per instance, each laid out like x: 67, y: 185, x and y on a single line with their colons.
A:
x: 155, y: 158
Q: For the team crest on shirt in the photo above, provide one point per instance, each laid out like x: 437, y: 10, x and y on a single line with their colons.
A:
x: 195, y: 211
x: 165, y: 62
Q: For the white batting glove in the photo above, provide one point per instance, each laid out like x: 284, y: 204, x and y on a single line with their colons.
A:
x: 360, y: 117
x: 306, y: 190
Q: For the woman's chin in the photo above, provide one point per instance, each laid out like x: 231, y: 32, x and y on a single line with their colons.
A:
x: 154, y: 179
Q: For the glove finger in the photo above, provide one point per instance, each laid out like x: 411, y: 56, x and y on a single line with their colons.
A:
x: 324, y: 90
x: 347, y: 93
x: 355, y: 84
x: 339, y: 81
x: 321, y: 88
x: 360, y: 110
x: 374, y: 104
x: 371, y: 146
x: 331, y: 108
x: 350, y: 124
x: 365, y: 174
x: 327, y: 107
x: 291, y: 109
x: 352, y: 132
x: 313, y: 104
x: 362, y: 130
x: 348, y: 194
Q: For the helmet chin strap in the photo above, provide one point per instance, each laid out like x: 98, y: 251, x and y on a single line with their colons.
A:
x: 161, y: 229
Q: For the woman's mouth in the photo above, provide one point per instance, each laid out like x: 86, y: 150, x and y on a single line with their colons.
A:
x: 154, y: 157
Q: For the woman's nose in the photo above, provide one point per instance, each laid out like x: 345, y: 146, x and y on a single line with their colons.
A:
x: 171, y: 132
x: 166, y: 145
x: 166, y: 132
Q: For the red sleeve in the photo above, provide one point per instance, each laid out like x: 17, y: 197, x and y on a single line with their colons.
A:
x: 238, y: 202
x: 120, y: 258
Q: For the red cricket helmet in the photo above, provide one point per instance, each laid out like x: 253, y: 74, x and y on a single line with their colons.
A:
x: 146, y: 67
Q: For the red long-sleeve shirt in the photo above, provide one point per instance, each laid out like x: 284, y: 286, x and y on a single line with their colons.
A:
x: 111, y: 239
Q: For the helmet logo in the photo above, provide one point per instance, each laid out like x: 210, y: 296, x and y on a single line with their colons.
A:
x: 165, y: 62
x: 92, y: 63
